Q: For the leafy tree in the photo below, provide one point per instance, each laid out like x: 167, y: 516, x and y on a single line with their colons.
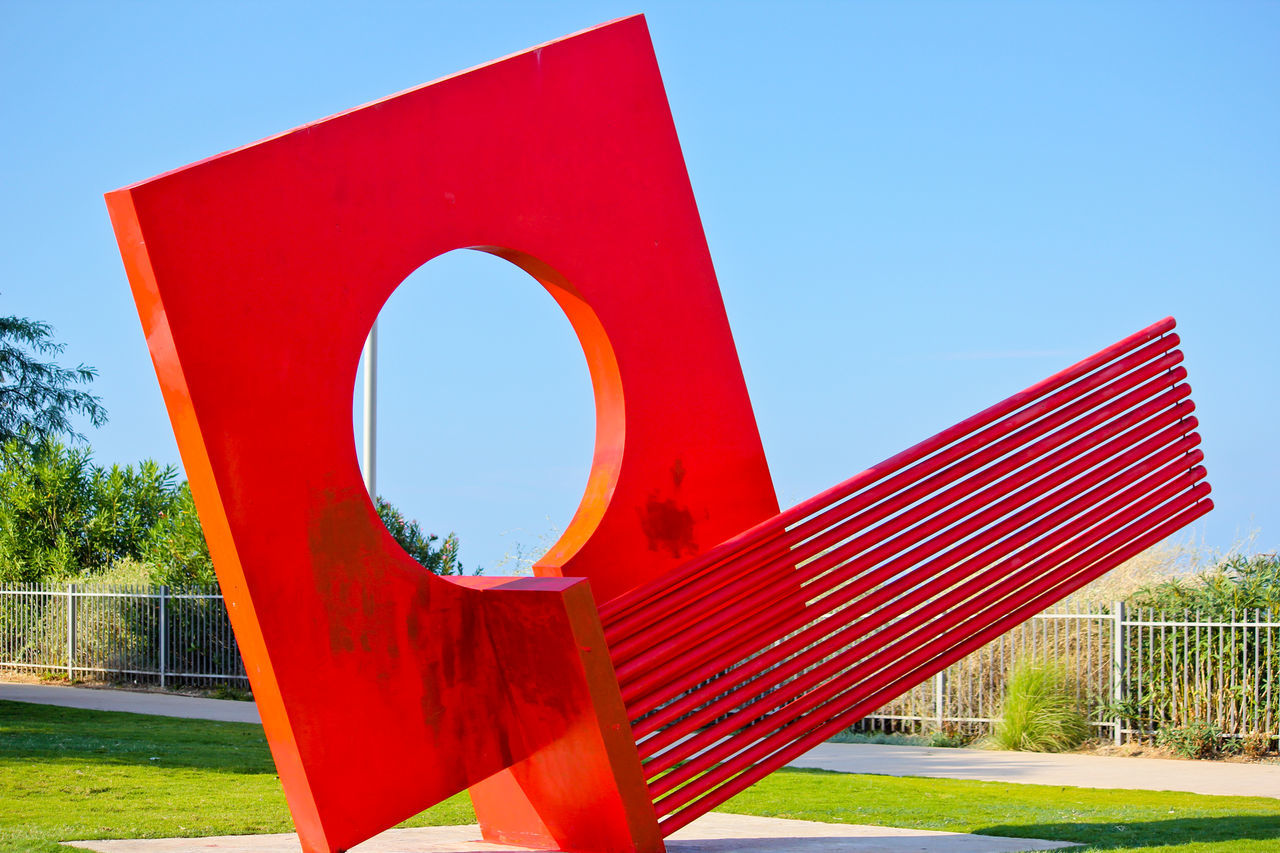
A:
x: 45, y: 509
x: 38, y: 398
x: 442, y: 560
x: 61, y: 515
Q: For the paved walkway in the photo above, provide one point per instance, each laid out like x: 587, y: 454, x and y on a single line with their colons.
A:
x: 136, y: 702
x: 1087, y: 771
x: 713, y: 833
x: 1084, y: 771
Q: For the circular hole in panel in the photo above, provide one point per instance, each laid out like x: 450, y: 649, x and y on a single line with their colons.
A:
x: 485, y: 415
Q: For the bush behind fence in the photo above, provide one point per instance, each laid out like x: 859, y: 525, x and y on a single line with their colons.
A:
x: 1136, y: 670
x: 110, y: 632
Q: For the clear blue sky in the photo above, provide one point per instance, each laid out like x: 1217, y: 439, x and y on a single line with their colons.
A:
x: 915, y: 209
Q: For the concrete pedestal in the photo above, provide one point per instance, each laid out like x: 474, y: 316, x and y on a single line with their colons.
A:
x: 713, y: 833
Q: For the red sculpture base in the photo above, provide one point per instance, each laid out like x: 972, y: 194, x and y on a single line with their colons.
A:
x: 583, y: 790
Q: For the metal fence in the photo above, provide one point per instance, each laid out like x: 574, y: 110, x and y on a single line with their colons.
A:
x: 1137, y: 670
x: 145, y: 635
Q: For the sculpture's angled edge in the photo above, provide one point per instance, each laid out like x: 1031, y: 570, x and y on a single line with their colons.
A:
x: 384, y: 689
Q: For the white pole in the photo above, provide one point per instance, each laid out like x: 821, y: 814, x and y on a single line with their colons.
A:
x: 369, y: 455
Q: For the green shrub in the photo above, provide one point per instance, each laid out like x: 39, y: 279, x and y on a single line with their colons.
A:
x: 62, y: 516
x: 1255, y: 744
x: 1237, y: 582
x: 851, y: 735
x: 125, y: 504
x: 1197, y: 740
x: 176, y: 548
x: 1203, y: 675
x: 46, y: 502
x: 1040, y: 712
x: 951, y: 736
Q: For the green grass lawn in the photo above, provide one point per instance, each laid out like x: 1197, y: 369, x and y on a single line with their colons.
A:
x: 72, y: 774
x: 1103, y: 819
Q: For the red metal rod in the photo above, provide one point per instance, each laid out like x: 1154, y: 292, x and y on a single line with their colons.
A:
x: 694, y: 642
x: 640, y: 702
x: 613, y: 611
x: 1026, y: 465
x: 821, y: 671
x: 673, y: 684
x: 773, y: 731
x: 768, y: 665
x: 645, y: 652
x: 1075, y: 579
x: 744, y: 646
x: 816, y: 736
x: 736, y: 581
x: 944, y: 599
x: 674, y: 589
x: 626, y: 654
x: 903, y: 647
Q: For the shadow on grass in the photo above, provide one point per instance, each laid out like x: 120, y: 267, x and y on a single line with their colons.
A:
x: 1154, y: 833
x: 837, y: 843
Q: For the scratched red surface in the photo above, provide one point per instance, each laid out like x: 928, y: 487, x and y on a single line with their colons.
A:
x: 257, y: 275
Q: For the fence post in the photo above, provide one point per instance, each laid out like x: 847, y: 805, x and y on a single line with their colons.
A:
x: 1118, y: 665
x: 164, y: 632
x: 939, y: 695
x: 71, y: 631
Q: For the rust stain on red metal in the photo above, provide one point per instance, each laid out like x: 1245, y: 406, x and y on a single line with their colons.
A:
x: 585, y: 708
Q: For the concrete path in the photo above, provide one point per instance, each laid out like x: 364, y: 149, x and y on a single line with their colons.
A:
x: 713, y: 833
x: 1084, y: 771
x: 137, y: 702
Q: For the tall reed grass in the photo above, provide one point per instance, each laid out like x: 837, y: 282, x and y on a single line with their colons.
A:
x: 1040, y: 711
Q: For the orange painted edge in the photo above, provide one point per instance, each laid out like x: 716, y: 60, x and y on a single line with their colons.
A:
x: 217, y: 531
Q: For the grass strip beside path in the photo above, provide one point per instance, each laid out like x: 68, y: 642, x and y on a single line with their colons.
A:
x: 1102, y: 818
x: 67, y: 773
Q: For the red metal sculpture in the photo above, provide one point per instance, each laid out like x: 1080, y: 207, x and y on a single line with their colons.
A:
x: 716, y: 655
